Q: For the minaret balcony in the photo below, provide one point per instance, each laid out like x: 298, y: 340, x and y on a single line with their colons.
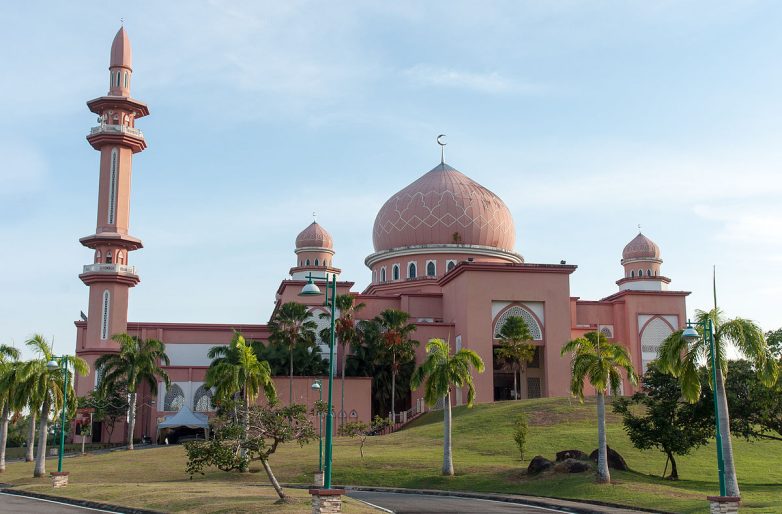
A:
x: 107, y: 133
x: 122, y: 269
x: 124, y: 129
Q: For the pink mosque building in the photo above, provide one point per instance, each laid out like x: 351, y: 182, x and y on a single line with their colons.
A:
x: 444, y: 252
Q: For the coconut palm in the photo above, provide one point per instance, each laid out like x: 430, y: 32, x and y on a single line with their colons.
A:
x: 48, y: 385
x: 137, y: 362
x: 515, y: 347
x: 292, y: 326
x: 597, y: 361
x: 396, y: 338
x: 442, y: 371
x: 346, y: 333
x: 682, y: 359
x: 10, y: 383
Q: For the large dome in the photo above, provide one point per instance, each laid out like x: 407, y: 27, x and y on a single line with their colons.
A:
x: 314, y: 236
x: 641, y: 247
x: 444, y: 207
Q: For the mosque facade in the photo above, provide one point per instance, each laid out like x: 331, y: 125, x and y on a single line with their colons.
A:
x: 444, y: 252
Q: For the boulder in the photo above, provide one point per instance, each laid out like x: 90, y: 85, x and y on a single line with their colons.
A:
x: 615, y: 460
x: 539, y: 464
x: 572, y: 466
x: 571, y: 454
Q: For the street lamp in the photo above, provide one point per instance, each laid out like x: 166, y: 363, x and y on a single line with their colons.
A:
x: 691, y: 335
x: 317, y: 387
x: 311, y: 289
x: 53, y: 365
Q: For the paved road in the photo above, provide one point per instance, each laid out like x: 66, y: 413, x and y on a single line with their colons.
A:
x: 11, y: 503
x: 401, y: 503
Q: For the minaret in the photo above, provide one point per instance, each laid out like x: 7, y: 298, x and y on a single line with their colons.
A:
x: 116, y: 138
x: 314, y: 253
x: 641, y: 261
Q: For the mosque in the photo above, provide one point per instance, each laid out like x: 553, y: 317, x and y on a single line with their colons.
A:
x: 444, y: 251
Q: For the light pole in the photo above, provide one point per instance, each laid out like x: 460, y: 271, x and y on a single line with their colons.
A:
x: 62, y: 364
x: 691, y: 336
x: 317, y: 387
x: 310, y: 289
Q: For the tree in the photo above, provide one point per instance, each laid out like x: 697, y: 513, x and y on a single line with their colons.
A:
x: 597, y: 361
x: 514, y: 347
x: 755, y: 410
x: 398, y: 346
x: 10, y: 382
x: 346, y: 333
x: 268, y: 427
x: 48, y: 385
x: 110, y: 405
x: 774, y: 342
x: 292, y: 326
x: 307, y: 361
x: 520, y: 429
x: 681, y: 359
x: 668, y: 423
x: 441, y: 371
x: 137, y: 362
x: 363, y: 430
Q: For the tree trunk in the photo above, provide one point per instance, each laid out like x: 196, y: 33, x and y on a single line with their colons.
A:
x: 603, y: 475
x: 290, y: 382
x: 273, y: 479
x: 29, y: 456
x: 731, y: 483
x: 515, y: 387
x: 40, y: 458
x: 447, y: 457
x: 3, y: 435
x: 674, y: 472
x: 131, y: 419
x: 393, y: 390
x: 342, y: 402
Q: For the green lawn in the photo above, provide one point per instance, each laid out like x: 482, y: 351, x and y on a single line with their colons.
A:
x: 484, y: 455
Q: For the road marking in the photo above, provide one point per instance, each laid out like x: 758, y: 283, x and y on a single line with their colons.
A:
x: 58, y: 503
x: 519, y: 504
x: 378, y: 507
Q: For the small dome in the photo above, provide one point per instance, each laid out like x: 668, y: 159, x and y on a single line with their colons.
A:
x: 641, y: 247
x: 314, y: 236
x: 120, y: 50
x: 444, y: 207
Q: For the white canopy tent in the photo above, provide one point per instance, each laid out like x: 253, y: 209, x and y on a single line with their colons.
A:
x: 185, y: 418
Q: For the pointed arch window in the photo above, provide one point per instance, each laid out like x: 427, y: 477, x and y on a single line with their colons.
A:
x: 109, y: 256
x: 411, y: 270
x: 535, y: 329
x: 648, y: 273
x: 640, y: 273
x: 104, y: 315
x: 175, y: 398
x: 202, y: 400
x: 125, y: 79
x: 383, y: 274
x: 431, y: 269
x: 317, y: 262
x: 632, y: 273
x: 451, y: 265
x: 395, y: 272
x: 113, y: 187
x: 308, y: 262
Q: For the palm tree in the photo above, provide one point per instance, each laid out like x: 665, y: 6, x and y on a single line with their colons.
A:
x: 514, y: 339
x: 681, y: 359
x: 293, y: 326
x: 10, y: 382
x: 396, y: 338
x: 598, y: 361
x: 48, y: 386
x: 346, y: 333
x: 137, y: 362
x: 441, y: 371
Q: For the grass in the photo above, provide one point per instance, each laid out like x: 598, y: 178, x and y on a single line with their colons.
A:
x: 484, y: 455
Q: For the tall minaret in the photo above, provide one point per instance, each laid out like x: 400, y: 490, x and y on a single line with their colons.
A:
x: 117, y: 139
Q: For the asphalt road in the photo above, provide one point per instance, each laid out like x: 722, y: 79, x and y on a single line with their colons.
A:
x: 11, y: 503
x: 401, y: 503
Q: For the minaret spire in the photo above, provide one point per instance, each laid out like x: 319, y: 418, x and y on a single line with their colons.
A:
x: 120, y: 64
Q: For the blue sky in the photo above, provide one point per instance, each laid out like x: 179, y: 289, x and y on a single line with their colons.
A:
x: 586, y: 118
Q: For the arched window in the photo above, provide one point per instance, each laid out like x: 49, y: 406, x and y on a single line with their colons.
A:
x: 534, y: 328
x: 308, y: 262
x: 632, y: 273
x: 655, y: 273
x: 431, y: 269
x: 648, y: 273
x: 202, y: 400
x: 125, y: 79
x: 104, y: 315
x: 109, y: 257
x: 383, y: 274
x: 451, y: 265
x: 640, y: 273
x: 113, y: 187
x: 325, y: 262
x: 317, y: 262
x: 395, y: 272
x: 411, y: 269
x: 97, y: 255
x: 120, y: 257
x: 175, y: 398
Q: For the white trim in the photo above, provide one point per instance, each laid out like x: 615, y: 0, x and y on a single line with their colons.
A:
x: 487, y: 251
x: 414, y: 263
x: 426, y: 270
x: 314, y: 249
x: 396, y: 272
x: 104, y: 315
x: 113, y: 172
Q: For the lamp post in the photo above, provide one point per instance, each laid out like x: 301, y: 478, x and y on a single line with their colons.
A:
x: 311, y: 289
x: 691, y: 336
x: 317, y: 387
x: 53, y: 365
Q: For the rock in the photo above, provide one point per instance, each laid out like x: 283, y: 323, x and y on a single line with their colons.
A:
x: 615, y: 460
x: 571, y: 454
x: 572, y: 466
x: 539, y: 464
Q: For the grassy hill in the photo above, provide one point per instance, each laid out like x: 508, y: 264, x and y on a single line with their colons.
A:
x: 485, y: 460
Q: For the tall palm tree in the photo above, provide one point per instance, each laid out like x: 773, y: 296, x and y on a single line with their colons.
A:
x: 10, y: 382
x: 48, y: 385
x: 396, y: 338
x: 681, y: 359
x: 293, y: 326
x: 515, y: 347
x: 137, y: 362
x: 441, y: 371
x: 597, y: 361
x: 346, y: 333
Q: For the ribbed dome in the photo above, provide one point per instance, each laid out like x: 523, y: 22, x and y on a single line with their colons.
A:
x: 314, y: 236
x: 641, y: 248
x: 120, y: 50
x: 444, y: 207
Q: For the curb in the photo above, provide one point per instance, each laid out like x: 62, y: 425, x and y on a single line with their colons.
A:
x: 79, y: 503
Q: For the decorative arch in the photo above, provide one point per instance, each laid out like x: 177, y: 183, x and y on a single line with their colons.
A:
x: 175, y: 398
x: 202, y: 400
x: 529, y: 318
x: 653, y: 333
